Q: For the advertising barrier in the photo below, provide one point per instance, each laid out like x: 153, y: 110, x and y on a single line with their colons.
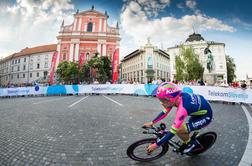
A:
x: 209, y: 92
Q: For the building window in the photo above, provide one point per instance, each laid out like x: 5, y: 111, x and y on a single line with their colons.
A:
x: 30, y: 75
x: 18, y: 60
x: 89, y: 27
x: 18, y: 68
x: 24, y: 59
x: 12, y: 61
x: 15, y: 61
x: 17, y: 75
x: 45, y: 74
x: 46, y: 64
x: 38, y: 66
x: 24, y: 67
x: 64, y: 56
x: 23, y: 75
x: 87, y: 56
x: 38, y: 74
x: 12, y: 68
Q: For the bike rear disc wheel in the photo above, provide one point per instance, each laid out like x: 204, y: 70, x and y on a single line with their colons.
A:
x: 206, y: 140
x: 137, y: 151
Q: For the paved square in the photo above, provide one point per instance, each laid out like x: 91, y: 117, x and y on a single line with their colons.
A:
x: 97, y: 131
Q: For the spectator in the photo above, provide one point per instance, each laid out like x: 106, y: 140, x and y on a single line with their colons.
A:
x: 201, y: 82
x: 224, y: 84
x: 95, y: 82
x: 159, y: 81
x: 243, y: 85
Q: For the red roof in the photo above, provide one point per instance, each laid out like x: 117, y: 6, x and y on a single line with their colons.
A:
x: 38, y: 49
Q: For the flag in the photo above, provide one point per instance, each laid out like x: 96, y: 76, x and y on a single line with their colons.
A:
x: 54, y: 60
x: 82, y: 58
x: 115, y: 64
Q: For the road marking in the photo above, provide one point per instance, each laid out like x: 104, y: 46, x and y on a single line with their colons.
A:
x: 44, y: 101
x: 246, y: 158
x: 77, y: 102
x: 113, y: 100
x: 140, y: 97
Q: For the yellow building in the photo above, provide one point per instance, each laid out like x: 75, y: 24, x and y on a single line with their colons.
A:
x: 146, y: 64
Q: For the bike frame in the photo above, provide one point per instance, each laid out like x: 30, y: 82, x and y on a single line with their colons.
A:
x: 160, y: 133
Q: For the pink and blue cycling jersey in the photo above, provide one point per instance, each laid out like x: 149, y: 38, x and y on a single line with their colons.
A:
x: 195, y: 106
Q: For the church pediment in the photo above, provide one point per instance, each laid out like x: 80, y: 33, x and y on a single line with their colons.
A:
x: 91, y: 13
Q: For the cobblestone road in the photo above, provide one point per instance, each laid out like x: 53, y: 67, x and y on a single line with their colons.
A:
x: 97, y: 131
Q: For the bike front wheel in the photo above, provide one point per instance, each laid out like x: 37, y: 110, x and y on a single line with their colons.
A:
x: 137, y: 151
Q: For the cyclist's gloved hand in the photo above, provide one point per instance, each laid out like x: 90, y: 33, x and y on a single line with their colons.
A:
x: 152, y: 147
x: 148, y: 124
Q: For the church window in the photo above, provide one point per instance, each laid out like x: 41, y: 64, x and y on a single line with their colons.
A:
x: 64, y: 56
x: 89, y: 27
x: 87, y: 56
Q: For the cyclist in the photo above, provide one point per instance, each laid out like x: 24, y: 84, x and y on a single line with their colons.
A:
x: 188, y: 104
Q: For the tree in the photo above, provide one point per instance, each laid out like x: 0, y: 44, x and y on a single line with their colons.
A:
x: 68, y: 72
x: 100, y: 68
x: 94, y: 64
x: 188, y: 66
x: 62, y: 71
x: 97, y: 67
x: 230, y: 69
x: 73, y: 72
x: 105, y: 70
x: 180, y: 68
x: 85, y: 74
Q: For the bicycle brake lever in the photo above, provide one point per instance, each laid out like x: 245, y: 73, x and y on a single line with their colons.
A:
x: 147, y: 127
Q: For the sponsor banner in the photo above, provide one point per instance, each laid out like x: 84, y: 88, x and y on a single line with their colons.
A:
x: 23, y: 91
x: 210, y: 93
x: 223, y: 94
x: 115, y: 64
x: 82, y: 58
x: 53, y: 65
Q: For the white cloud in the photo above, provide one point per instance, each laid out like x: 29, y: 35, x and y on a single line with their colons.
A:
x: 245, y: 25
x: 136, y: 27
x: 149, y: 6
x: 31, y: 23
x: 191, y: 4
x: 180, y: 6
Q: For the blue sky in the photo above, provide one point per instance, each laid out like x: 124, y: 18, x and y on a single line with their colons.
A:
x: 28, y: 23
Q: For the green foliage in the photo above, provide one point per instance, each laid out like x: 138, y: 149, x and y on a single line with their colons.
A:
x: 188, y: 66
x: 85, y: 73
x: 105, y: 70
x: 68, y: 72
x: 230, y: 69
x: 96, y: 68
x: 62, y: 71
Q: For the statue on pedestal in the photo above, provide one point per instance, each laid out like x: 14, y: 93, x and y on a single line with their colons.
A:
x: 210, y: 59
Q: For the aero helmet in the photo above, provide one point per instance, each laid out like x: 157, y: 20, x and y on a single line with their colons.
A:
x: 168, y: 90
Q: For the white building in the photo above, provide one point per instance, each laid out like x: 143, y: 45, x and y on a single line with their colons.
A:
x: 27, y: 66
x: 249, y: 80
x: 146, y: 64
x: 203, y: 48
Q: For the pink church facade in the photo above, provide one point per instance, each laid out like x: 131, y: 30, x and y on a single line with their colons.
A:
x: 88, y: 34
